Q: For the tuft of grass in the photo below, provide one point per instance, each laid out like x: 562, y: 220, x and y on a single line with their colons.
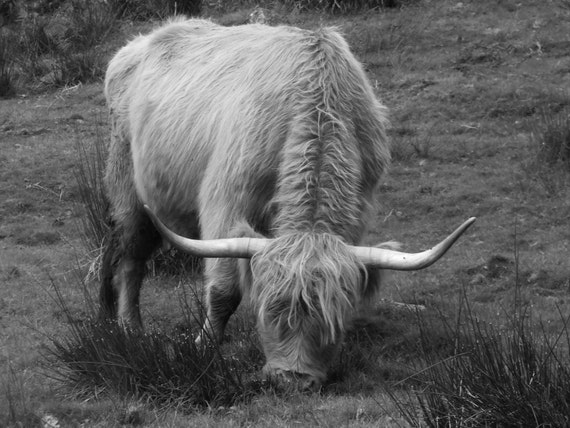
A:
x: 550, y: 148
x: 89, y: 173
x: 410, y: 143
x: 492, y: 376
x: 16, y: 410
x: 163, y: 368
x: 551, y: 137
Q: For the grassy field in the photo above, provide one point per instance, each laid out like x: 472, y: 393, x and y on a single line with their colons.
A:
x: 473, y: 87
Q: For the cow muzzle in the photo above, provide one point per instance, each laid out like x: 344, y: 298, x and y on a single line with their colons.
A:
x: 293, y: 380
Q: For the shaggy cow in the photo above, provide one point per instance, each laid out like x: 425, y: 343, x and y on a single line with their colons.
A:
x: 271, y: 137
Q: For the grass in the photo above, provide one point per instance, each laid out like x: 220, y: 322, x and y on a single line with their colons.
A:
x: 164, y: 368
x: 494, y: 376
x: 473, y: 90
x: 19, y: 410
x: 550, y: 143
x: 7, y: 88
x: 89, y: 174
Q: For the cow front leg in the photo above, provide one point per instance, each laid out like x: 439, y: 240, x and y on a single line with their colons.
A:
x: 226, y: 282
x: 223, y: 296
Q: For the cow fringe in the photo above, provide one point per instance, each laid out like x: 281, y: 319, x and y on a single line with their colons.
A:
x: 307, y: 278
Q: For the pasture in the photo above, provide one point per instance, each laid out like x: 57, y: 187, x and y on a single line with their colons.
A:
x: 475, y: 90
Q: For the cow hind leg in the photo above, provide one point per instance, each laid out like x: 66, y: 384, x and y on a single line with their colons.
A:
x: 124, y: 267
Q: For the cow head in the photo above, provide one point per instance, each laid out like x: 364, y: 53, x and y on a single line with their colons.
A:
x: 305, y: 288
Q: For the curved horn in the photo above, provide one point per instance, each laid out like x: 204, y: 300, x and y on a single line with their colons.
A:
x: 230, y: 247
x: 396, y: 260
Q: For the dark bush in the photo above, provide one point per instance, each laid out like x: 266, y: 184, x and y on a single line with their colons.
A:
x: 146, y: 9
x: 90, y: 23
x: 7, y: 86
x: 345, y: 6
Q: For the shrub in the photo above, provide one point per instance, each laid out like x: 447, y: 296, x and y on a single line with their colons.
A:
x: 74, y: 67
x: 64, y: 48
x: 90, y: 23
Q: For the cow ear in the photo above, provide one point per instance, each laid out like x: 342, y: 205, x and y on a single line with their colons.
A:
x: 376, y: 277
x: 244, y: 230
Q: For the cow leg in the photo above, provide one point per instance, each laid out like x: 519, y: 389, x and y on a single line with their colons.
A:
x: 107, y: 293
x: 227, y: 279
x: 124, y: 267
x: 223, y: 296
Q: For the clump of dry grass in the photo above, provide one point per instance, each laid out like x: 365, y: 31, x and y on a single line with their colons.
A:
x: 550, y: 148
x: 89, y: 173
x: 552, y: 139
x: 490, y: 372
x: 16, y: 409
x: 160, y: 367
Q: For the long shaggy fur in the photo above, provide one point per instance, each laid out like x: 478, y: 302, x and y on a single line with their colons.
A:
x: 307, y: 276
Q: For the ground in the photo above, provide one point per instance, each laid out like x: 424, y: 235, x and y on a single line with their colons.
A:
x: 467, y: 84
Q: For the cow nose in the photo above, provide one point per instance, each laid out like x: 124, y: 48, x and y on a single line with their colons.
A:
x: 310, y: 384
x: 302, y: 381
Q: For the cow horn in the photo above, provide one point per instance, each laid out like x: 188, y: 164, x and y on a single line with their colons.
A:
x: 396, y: 260
x: 230, y: 247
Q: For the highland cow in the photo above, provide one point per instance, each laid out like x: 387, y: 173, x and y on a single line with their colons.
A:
x: 264, y: 146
